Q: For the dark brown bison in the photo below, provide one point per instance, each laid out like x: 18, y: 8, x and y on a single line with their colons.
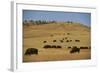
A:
x: 62, y: 38
x: 31, y: 51
x: 53, y: 46
x: 51, y: 35
x: 69, y: 47
x: 61, y: 41
x: 47, y: 46
x: 74, y: 50
x: 67, y: 41
x: 58, y: 46
x: 54, y: 40
x: 44, y: 41
x: 65, y: 37
x: 68, y: 33
x: 70, y: 40
x: 83, y: 47
x: 77, y: 40
x: 89, y: 47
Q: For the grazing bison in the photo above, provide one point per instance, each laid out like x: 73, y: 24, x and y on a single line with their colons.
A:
x: 83, y: 47
x: 31, y: 51
x: 74, y: 50
x: 67, y: 41
x: 61, y: 41
x: 54, y: 40
x: 89, y: 47
x: 69, y: 47
x: 58, y: 46
x: 44, y: 41
x: 62, y: 38
x: 53, y: 46
x: 68, y: 33
x: 51, y: 35
x: 77, y: 40
x: 47, y: 46
x: 65, y: 37
x: 70, y: 40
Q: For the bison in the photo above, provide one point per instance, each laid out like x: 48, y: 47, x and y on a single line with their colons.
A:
x: 44, y: 41
x: 58, y: 46
x: 68, y: 33
x: 53, y: 46
x: 70, y: 40
x: 51, y: 35
x: 62, y: 38
x: 69, y: 47
x: 65, y: 37
x: 77, y: 40
x: 61, y: 41
x: 83, y: 47
x: 67, y: 41
x: 74, y: 50
x: 31, y: 51
x: 54, y: 40
x: 89, y: 47
x: 47, y: 46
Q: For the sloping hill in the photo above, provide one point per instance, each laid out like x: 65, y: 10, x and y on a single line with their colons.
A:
x: 35, y: 35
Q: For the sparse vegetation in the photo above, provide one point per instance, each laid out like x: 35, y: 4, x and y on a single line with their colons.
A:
x: 56, y: 40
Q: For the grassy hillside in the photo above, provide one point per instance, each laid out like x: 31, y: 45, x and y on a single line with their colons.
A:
x: 35, y: 35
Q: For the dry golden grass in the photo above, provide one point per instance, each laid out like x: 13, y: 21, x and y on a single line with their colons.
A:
x: 34, y: 35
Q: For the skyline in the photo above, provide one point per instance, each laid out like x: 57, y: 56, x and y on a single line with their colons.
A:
x: 83, y: 18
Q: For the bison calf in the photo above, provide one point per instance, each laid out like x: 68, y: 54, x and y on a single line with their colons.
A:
x: 61, y: 41
x: 54, y: 40
x: 44, y: 41
x: 77, y: 40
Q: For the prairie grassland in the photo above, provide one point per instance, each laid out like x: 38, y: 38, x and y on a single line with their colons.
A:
x: 34, y: 35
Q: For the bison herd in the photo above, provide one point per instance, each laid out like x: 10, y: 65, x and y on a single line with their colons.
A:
x: 52, y: 46
x: 73, y: 49
x: 62, y: 40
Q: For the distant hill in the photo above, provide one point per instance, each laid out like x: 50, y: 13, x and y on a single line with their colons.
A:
x: 59, y: 26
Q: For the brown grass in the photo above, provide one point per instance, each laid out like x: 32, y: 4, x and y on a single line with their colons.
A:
x: 34, y: 36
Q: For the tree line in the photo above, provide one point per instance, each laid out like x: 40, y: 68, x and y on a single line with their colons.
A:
x: 38, y: 22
